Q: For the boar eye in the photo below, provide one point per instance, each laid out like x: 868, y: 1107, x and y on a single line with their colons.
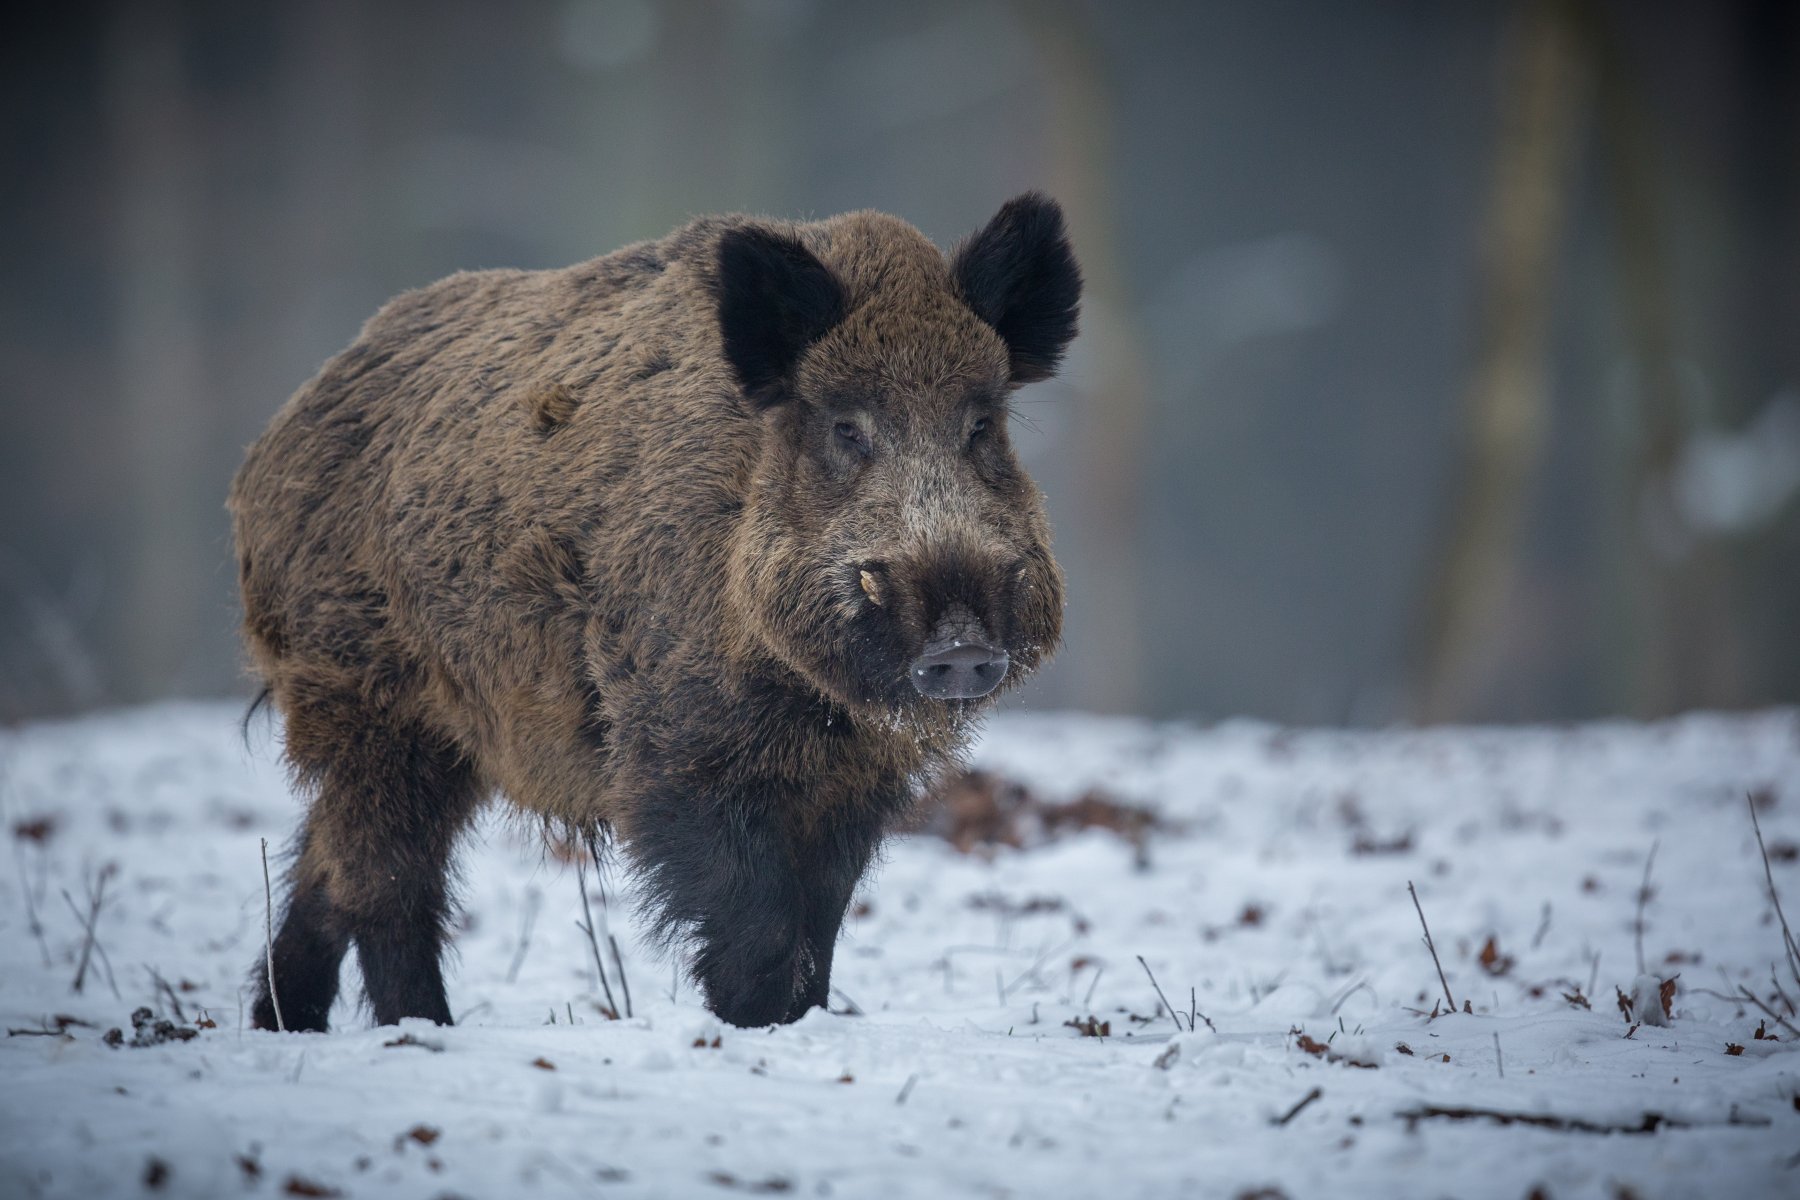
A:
x: 850, y: 434
x: 978, y: 430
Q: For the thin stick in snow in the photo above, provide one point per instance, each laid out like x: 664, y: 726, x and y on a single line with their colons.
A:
x: 619, y: 966
x: 163, y: 988
x: 31, y: 914
x: 1745, y: 996
x: 1537, y: 939
x: 1499, y: 1063
x: 612, y: 1008
x: 593, y: 847
x: 269, y: 942
x: 1790, y: 949
x: 1293, y: 1112
x: 1194, y: 1011
x: 1173, y: 1015
x: 533, y: 898
x: 90, y: 945
x: 1037, y: 964
x: 1429, y: 945
x: 1643, y: 898
x: 1649, y: 1123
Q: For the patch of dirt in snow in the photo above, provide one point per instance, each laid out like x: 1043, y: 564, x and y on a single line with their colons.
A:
x: 995, y: 1032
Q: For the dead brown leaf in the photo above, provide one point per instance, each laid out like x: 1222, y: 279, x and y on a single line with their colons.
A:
x: 1492, y: 961
x: 35, y: 829
x: 1311, y: 1045
x: 1368, y: 847
x: 978, y: 811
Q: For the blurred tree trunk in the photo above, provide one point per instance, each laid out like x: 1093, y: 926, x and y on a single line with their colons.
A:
x: 1506, y: 407
x: 1762, y: 350
x: 1107, y: 663
x: 1671, y: 585
x: 156, y: 148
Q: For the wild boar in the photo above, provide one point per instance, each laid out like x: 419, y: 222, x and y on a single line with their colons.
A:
x: 714, y: 546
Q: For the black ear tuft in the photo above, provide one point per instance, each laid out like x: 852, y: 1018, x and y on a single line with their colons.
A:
x: 775, y: 300
x: 1019, y: 275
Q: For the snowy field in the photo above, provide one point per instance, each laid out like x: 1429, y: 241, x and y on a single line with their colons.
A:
x: 1270, y: 898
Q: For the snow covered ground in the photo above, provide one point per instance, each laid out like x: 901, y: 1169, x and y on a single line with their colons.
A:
x: 1276, y: 890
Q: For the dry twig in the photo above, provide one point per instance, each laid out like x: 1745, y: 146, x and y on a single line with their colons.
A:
x: 1429, y: 945
x: 1643, y: 898
x: 90, y: 944
x: 1790, y: 949
x: 593, y: 847
x: 1173, y: 1015
x: 1650, y: 1123
x: 269, y: 937
x: 1745, y: 996
x: 162, y: 986
x: 533, y: 898
x: 31, y: 913
x: 611, y: 1011
x: 619, y: 966
x: 1295, y: 1111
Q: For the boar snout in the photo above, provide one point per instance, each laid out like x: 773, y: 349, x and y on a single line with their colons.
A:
x: 959, y: 662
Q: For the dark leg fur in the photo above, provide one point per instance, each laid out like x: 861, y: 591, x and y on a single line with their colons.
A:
x: 309, y: 951
x: 763, y: 906
x: 390, y: 802
x: 831, y: 863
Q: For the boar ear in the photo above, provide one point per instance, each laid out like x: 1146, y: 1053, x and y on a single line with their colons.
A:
x: 775, y: 300
x: 1019, y: 275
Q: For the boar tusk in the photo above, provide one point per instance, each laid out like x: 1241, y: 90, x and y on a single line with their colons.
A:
x: 871, y: 587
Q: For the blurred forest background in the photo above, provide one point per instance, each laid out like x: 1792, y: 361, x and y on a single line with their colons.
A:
x: 1441, y: 360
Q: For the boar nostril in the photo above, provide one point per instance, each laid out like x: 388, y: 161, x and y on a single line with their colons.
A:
x: 963, y: 671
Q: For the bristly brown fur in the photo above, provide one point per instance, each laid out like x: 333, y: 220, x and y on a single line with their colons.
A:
x: 598, y: 539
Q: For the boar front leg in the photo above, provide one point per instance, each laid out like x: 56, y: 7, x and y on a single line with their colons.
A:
x: 832, y: 857
x: 762, y: 901
x: 720, y: 870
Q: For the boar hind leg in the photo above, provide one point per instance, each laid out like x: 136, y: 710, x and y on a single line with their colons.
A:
x: 307, y: 955
x: 389, y: 801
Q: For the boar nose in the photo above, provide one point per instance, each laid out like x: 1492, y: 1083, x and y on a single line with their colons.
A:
x: 958, y: 668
